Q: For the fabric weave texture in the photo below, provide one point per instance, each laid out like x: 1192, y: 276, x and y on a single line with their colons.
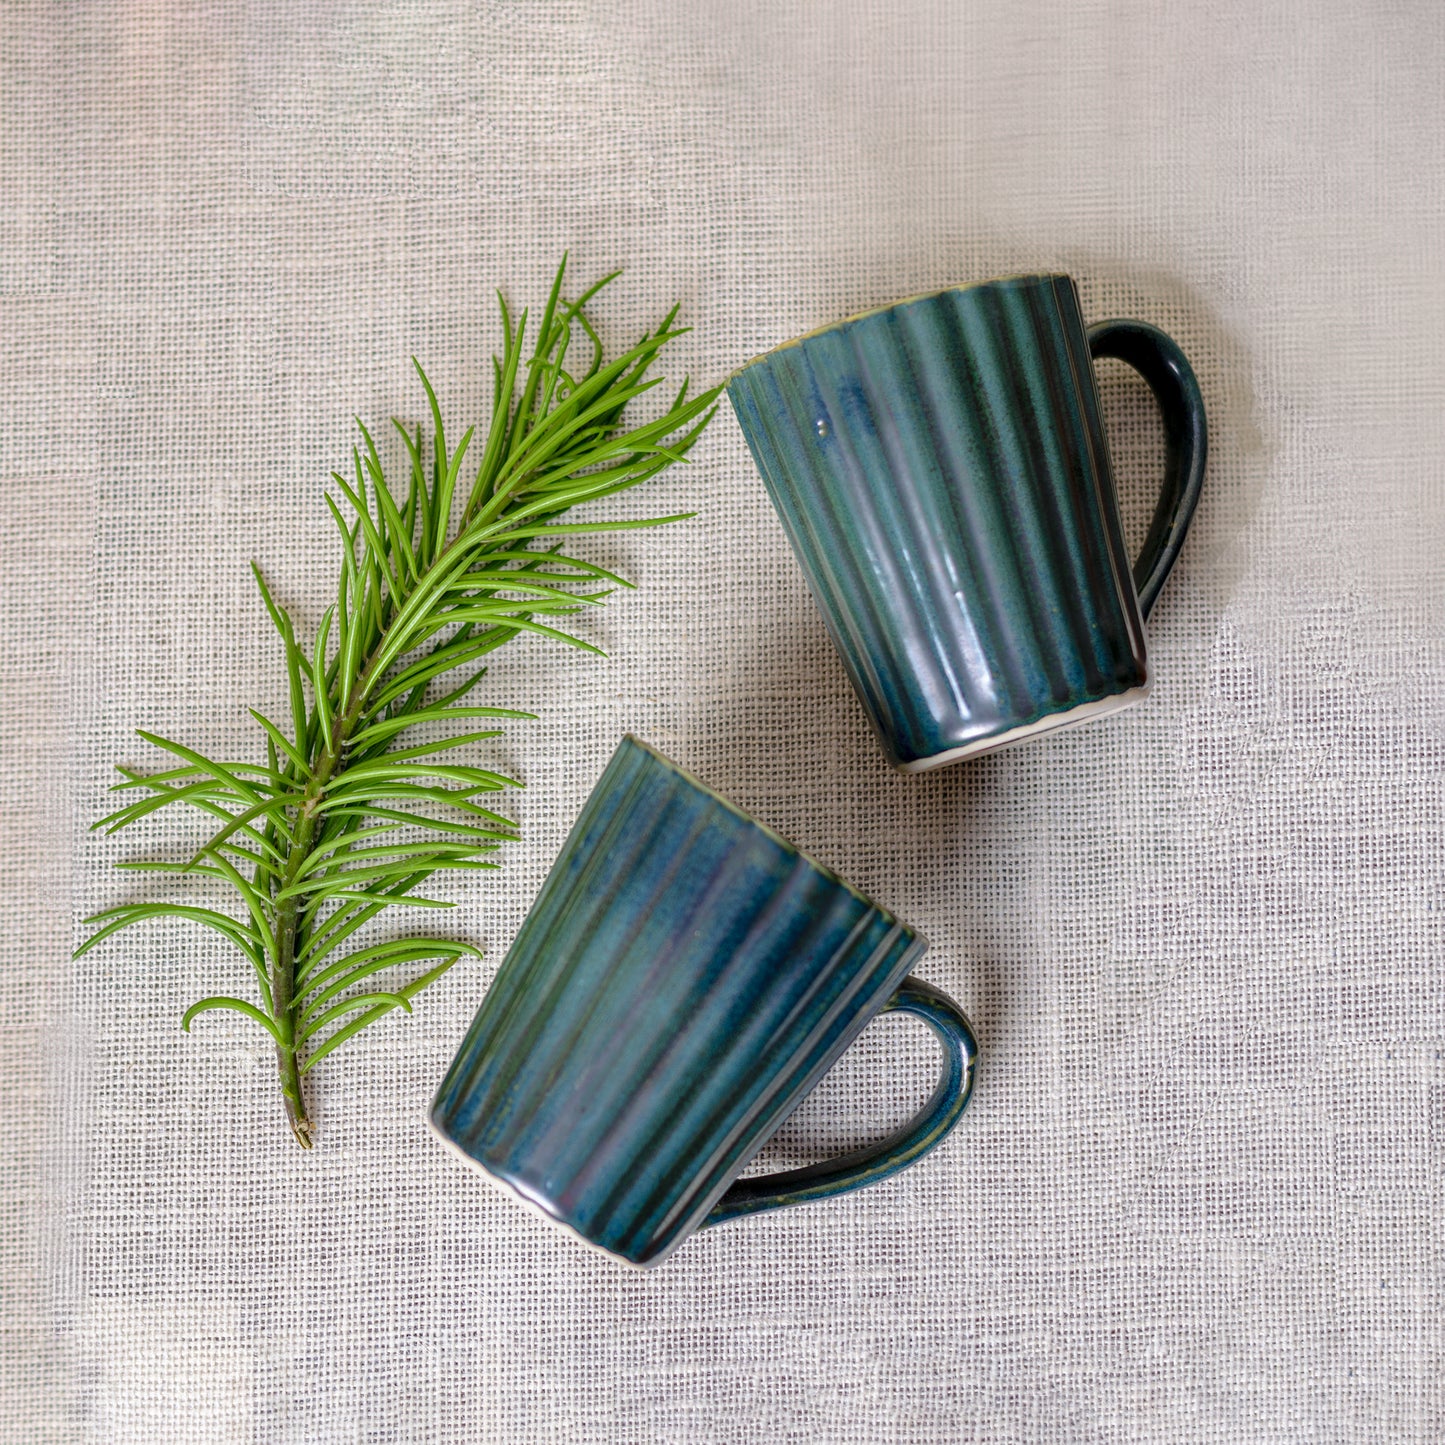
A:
x: 1197, y: 1195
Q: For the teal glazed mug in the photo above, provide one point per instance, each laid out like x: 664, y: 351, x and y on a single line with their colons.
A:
x: 682, y: 982
x: 940, y: 469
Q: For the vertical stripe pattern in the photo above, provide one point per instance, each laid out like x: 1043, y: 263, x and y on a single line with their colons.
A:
x: 939, y: 469
x: 683, y: 979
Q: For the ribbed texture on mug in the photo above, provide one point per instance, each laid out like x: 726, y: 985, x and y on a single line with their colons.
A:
x: 940, y: 470
x: 682, y: 981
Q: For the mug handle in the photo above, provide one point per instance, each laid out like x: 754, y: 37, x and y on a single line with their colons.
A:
x: 1170, y: 377
x: 899, y: 1150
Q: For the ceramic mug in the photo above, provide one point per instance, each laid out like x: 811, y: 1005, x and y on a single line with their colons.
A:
x: 940, y: 469
x: 683, y: 980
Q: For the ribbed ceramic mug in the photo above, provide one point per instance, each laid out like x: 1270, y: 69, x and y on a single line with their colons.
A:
x: 683, y: 980
x: 941, y: 471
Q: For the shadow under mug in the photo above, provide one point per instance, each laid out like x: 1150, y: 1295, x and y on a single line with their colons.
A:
x: 683, y: 980
x: 940, y: 469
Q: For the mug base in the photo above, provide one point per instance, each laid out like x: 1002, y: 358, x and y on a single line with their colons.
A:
x: 1051, y: 722
x: 537, y: 1207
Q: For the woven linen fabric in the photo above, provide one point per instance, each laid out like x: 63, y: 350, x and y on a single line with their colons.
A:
x: 1198, y: 1193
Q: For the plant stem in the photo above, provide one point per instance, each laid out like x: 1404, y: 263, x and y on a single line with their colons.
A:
x: 283, y: 976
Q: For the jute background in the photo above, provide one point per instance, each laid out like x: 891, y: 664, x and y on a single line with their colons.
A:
x: 1198, y: 1195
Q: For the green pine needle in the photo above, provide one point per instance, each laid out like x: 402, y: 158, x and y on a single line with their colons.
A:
x: 348, y: 814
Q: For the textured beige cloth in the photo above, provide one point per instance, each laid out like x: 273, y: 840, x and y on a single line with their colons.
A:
x: 1198, y: 1194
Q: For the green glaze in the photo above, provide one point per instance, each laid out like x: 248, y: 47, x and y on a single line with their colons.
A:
x: 941, y: 471
x: 682, y: 982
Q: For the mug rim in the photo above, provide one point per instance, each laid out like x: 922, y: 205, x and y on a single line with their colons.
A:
x: 863, y: 315
x: 788, y: 846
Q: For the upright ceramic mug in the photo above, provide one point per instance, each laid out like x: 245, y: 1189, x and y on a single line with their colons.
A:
x: 683, y: 980
x: 940, y: 469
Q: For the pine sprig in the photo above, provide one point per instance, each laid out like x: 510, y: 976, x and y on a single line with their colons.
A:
x: 350, y: 812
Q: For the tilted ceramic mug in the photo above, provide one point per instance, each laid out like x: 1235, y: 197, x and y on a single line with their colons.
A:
x: 682, y: 982
x: 941, y: 471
